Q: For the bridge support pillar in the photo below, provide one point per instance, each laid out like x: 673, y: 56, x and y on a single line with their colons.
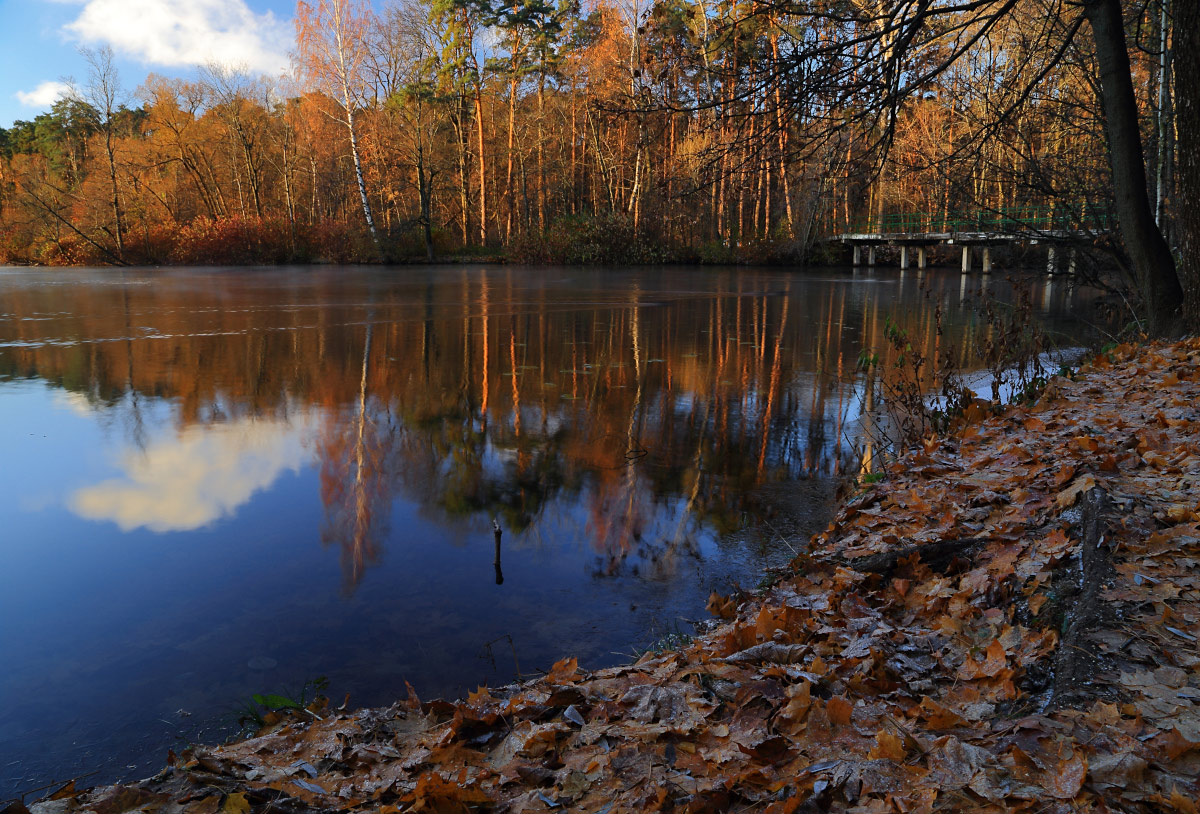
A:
x: 921, y: 257
x: 987, y: 259
x: 903, y: 258
x: 1072, y: 259
x: 1051, y: 265
x: 857, y: 255
x: 966, y: 259
x: 870, y: 255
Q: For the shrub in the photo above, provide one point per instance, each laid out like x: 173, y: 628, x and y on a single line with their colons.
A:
x: 716, y: 253
x: 410, y: 243
x: 599, y: 239
x: 233, y: 241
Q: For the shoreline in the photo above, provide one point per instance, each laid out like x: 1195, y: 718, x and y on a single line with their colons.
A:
x: 501, y: 259
x: 1008, y: 620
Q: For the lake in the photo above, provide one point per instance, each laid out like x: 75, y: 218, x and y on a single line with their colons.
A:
x: 220, y: 482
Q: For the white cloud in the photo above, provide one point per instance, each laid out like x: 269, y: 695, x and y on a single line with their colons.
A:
x: 44, y: 94
x: 75, y: 402
x: 190, y: 480
x: 187, y: 32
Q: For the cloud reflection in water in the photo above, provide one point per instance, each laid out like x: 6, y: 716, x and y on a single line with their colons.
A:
x: 194, y: 478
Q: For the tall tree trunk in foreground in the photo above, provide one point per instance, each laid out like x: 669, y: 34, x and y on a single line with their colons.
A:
x: 1187, y: 113
x: 1149, y: 254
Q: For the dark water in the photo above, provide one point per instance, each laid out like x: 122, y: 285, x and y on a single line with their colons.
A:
x: 216, y: 483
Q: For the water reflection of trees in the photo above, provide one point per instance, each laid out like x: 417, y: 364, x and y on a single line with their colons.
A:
x: 487, y: 395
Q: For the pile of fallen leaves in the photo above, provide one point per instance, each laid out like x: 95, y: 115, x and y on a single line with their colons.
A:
x: 916, y: 660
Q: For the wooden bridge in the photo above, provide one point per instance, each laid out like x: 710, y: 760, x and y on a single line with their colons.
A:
x: 915, y: 232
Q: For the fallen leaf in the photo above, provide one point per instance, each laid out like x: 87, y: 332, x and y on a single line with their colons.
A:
x: 1121, y: 769
x: 938, y: 717
x: 1178, y: 744
x: 772, y: 652
x: 888, y: 746
x: 1066, y: 779
x: 564, y: 671
x: 838, y: 709
x: 1067, y: 497
x: 723, y: 607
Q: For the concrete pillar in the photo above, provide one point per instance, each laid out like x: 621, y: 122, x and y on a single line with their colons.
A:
x: 1051, y: 267
x: 921, y: 258
x: 857, y: 255
x: 1071, y: 261
x: 870, y: 255
x: 903, y: 258
x: 987, y: 259
x: 966, y: 261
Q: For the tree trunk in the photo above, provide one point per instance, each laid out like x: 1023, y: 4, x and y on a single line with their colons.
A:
x: 1165, y: 131
x: 1150, y: 257
x: 110, y: 149
x: 510, y: 198
x: 541, y: 153
x: 1187, y: 118
x: 781, y: 137
x: 424, y: 182
x: 358, y: 176
x: 482, y: 166
x: 464, y: 193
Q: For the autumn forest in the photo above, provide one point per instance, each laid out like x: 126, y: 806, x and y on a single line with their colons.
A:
x: 604, y: 132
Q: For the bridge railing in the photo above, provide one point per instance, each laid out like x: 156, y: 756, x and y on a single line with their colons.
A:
x: 1047, y: 218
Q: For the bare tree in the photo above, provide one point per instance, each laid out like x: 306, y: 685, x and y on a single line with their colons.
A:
x: 104, y: 93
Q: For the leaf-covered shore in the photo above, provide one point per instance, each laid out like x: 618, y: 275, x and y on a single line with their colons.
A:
x: 1009, y: 620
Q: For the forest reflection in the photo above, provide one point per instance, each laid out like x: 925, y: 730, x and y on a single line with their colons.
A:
x: 645, y: 412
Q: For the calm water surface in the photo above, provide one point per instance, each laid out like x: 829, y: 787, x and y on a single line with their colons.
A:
x: 221, y: 482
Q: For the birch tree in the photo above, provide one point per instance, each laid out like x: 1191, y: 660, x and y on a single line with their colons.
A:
x: 332, y: 48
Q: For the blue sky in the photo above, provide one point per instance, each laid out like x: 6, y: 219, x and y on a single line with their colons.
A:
x: 39, y: 42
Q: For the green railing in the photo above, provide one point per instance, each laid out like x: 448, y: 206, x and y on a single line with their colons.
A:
x: 1049, y: 218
